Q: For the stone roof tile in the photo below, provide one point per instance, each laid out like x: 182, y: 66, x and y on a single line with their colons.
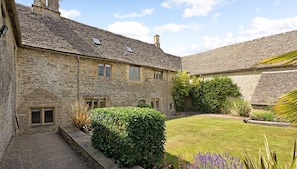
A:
x: 240, y: 56
x: 65, y: 35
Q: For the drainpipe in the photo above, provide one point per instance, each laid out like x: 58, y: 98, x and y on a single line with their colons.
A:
x: 78, y: 77
x: 167, y: 95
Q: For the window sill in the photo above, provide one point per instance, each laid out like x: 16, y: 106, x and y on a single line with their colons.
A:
x: 39, y: 124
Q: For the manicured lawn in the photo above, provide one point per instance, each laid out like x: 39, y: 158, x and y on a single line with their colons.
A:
x: 189, y: 135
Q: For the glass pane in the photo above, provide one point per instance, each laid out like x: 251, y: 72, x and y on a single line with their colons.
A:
x: 48, y: 115
x: 152, y: 104
x: 100, y: 69
x: 108, y: 70
x: 102, y: 102
x: 157, y: 103
x: 36, y: 116
x: 134, y: 73
x: 95, y: 104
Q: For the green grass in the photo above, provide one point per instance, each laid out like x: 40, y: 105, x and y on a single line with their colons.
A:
x: 189, y: 135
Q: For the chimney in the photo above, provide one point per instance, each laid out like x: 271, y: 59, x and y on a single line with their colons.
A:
x: 157, y: 40
x: 47, y: 7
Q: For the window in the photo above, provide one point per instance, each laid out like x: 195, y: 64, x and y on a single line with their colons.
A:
x: 42, y: 116
x: 96, y: 41
x: 129, y: 49
x: 155, y: 103
x: 134, y: 73
x: 96, y: 103
x: 141, y: 102
x: 104, y: 70
x: 158, y: 75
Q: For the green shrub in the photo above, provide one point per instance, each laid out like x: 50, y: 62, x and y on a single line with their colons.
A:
x: 237, y: 106
x: 209, y: 96
x: 129, y: 135
x: 143, y: 105
x: 262, y: 115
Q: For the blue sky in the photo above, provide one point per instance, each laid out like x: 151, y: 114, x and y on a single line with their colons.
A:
x: 185, y: 26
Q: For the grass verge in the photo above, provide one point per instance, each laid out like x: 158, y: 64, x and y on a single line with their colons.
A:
x: 189, y: 135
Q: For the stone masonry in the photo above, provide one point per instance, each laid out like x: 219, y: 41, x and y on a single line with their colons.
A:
x: 50, y: 79
x: 7, y: 81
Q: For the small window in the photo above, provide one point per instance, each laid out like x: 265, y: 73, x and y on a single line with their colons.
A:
x: 96, y: 41
x: 155, y: 103
x: 158, y: 75
x: 36, y: 116
x: 129, y: 49
x: 42, y: 116
x: 141, y: 102
x: 96, y: 103
x: 104, y: 70
x: 134, y: 73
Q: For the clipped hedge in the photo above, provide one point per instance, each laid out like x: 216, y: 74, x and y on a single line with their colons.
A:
x: 129, y: 135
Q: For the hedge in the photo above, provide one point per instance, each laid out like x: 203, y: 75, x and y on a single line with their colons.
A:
x: 129, y: 135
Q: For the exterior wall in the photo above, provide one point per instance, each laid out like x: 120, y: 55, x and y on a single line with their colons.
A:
x: 7, y: 81
x: 47, y: 79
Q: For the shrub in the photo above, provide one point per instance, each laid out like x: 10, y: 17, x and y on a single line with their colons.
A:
x: 237, y: 106
x: 215, y: 161
x: 143, y: 105
x: 80, y: 116
x: 270, y: 162
x: 180, y: 89
x: 210, y: 95
x: 262, y: 115
x: 129, y: 135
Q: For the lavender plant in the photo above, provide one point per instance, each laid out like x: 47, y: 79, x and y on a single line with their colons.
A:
x: 216, y: 161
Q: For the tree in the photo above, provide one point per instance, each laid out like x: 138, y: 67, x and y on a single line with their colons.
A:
x: 286, y: 105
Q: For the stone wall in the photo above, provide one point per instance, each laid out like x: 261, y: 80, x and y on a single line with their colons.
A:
x: 7, y: 81
x: 48, y: 79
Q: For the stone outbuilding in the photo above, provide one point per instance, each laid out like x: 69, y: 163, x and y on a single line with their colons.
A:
x: 261, y: 85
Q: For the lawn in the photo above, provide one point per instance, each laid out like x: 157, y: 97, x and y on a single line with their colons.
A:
x: 189, y: 135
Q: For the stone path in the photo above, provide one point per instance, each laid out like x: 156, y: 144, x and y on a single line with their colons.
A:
x: 40, y: 151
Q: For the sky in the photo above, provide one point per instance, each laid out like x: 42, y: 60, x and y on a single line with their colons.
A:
x: 185, y: 27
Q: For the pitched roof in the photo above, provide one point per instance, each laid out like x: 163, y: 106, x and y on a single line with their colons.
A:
x: 64, y: 35
x: 272, y: 85
x: 240, y: 56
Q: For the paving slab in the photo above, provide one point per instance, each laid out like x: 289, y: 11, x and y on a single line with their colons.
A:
x: 40, y: 151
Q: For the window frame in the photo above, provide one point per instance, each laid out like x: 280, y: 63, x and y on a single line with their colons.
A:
x: 158, y: 75
x: 106, y: 68
x: 132, y: 77
x: 155, y: 103
x: 42, y: 116
x: 92, y: 101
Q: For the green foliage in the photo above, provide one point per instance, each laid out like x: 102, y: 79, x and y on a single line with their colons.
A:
x: 143, y: 105
x: 270, y: 162
x: 181, y: 88
x: 237, y: 106
x: 129, y: 135
x: 262, y: 115
x: 210, y: 95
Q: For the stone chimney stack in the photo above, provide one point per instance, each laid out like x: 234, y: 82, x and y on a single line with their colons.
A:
x: 47, y: 7
x: 157, y: 41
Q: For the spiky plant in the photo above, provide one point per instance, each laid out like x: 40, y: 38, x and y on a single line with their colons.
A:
x: 80, y: 116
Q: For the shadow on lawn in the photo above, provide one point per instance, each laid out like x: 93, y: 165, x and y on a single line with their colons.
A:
x: 176, y: 161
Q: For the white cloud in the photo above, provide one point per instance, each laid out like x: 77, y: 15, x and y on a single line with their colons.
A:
x: 261, y: 26
x: 258, y: 27
x: 172, y: 27
x: 133, y: 14
x: 71, y: 14
x: 131, y: 29
x: 193, y: 7
x: 215, y: 16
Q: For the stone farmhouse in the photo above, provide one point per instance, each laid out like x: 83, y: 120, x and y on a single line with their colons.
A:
x: 48, y: 62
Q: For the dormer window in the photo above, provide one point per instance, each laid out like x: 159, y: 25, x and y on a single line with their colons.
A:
x: 96, y: 41
x: 129, y: 49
